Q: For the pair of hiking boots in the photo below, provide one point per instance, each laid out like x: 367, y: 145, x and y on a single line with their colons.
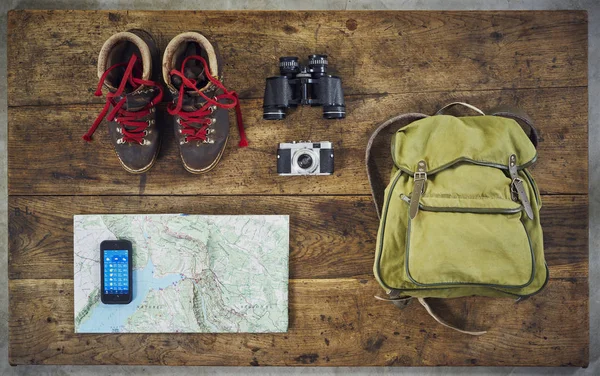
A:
x: 128, y: 66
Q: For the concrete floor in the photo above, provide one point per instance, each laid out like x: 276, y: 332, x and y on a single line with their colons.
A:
x: 593, y: 7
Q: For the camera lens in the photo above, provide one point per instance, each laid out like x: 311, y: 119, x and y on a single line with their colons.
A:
x: 305, y: 161
x: 288, y: 66
x: 317, y: 65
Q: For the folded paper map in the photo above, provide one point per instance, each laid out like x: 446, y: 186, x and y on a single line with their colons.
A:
x: 191, y: 273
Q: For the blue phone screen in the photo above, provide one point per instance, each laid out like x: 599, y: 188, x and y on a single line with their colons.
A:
x: 116, y: 272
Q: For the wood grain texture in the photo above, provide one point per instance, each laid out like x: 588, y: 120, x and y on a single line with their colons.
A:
x: 332, y: 323
x: 66, y: 165
x: 330, y: 237
x: 390, y: 62
x: 423, y: 51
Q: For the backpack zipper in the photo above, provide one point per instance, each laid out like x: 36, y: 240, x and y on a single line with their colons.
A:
x: 407, y: 199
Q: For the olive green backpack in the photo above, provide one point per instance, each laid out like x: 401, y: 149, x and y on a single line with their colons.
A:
x: 460, y: 216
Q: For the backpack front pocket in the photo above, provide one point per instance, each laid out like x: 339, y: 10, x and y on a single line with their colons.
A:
x: 469, y: 246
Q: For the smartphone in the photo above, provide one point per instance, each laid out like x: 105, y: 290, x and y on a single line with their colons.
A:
x: 115, y: 271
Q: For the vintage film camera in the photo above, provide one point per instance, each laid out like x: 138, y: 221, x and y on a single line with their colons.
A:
x: 305, y: 158
x: 300, y: 85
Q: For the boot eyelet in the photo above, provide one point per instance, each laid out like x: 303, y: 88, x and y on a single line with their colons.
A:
x: 213, y: 108
x: 120, y: 141
x: 150, y: 122
x: 146, y: 142
x: 152, y: 110
x: 209, y: 141
x: 180, y: 130
x: 212, y: 121
x: 146, y: 132
x: 184, y: 141
x: 178, y: 121
x: 119, y: 130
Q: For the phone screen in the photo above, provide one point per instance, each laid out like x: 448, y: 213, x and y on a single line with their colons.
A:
x: 116, y: 272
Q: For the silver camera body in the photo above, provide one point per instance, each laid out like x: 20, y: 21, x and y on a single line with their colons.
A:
x: 305, y: 158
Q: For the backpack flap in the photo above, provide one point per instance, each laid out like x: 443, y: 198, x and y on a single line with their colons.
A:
x: 443, y: 140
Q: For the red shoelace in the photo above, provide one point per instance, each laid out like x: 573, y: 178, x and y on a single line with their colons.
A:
x: 136, y: 128
x: 200, y: 116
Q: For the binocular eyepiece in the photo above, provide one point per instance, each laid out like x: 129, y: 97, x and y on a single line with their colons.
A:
x: 303, y: 85
x: 317, y: 66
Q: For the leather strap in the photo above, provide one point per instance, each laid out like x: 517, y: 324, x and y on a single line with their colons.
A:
x: 444, y: 323
x: 516, y: 114
x: 375, y: 179
x: 399, y: 301
x: 442, y: 110
x: 520, y: 117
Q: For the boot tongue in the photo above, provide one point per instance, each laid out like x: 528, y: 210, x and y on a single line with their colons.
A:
x: 193, y: 70
x: 191, y: 73
x: 135, y: 98
x: 139, y: 98
x: 192, y: 102
x: 113, y: 79
x: 191, y: 99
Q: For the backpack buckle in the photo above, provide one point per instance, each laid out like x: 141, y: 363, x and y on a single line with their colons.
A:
x: 420, y: 176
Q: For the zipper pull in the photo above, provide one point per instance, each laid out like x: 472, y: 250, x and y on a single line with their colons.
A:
x: 517, y: 188
x: 420, y: 178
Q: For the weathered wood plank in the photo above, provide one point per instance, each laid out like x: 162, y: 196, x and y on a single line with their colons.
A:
x: 374, y: 52
x: 330, y: 237
x: 332, y: 323
x: 65, y: 164
x: 390, y: 62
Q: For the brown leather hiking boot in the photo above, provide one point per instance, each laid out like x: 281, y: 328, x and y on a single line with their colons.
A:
x: 125, y: 68
x: 200, y: 119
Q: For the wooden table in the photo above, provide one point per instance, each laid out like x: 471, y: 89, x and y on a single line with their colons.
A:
x: 390, y: 62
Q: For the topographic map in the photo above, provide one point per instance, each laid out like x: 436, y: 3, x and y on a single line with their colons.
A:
x: 191, y: 273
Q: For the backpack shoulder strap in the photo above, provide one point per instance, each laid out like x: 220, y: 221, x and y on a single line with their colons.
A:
x: 442, y: 111
x: 520, y: 117
x: 375, y: 179
x: 444, y: 323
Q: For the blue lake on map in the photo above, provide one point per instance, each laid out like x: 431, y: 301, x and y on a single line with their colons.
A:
x: 107, y: 318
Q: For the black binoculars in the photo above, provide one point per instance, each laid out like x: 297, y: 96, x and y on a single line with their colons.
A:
x: 300, y: 85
